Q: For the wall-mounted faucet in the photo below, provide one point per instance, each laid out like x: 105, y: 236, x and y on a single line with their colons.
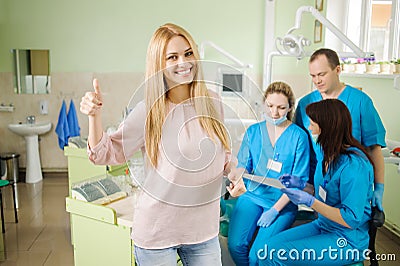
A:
x: 30, y: 119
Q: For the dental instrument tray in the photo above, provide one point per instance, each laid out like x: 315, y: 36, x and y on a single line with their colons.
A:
x: 77, y: 142
x: 101, y: 190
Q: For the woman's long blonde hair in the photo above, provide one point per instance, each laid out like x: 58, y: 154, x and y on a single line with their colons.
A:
x: 155, y: 93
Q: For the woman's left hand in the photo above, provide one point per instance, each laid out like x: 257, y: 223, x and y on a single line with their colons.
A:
x: 237, y: 188
x: 268, y: 217
x: 235, y: 174
x: 230, y: 165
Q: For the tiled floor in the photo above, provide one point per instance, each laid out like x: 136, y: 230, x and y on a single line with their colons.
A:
x: 42, y: 236
x: 386, y: 246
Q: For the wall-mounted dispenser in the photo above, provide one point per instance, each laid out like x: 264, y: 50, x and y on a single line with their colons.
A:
x: 6, y: 108
x: 44, y: 107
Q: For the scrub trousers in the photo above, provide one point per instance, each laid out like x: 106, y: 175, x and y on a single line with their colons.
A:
x: 307, y: 245
x: 243, y: 225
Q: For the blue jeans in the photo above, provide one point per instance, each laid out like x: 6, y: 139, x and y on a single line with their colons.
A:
x: 205, y: 253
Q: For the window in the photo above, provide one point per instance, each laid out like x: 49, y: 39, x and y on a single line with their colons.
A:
x: 376, y: 25
x: 373, y: 25
x: 379, y: 31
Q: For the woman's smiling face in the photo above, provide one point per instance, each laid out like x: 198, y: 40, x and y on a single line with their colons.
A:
x: 180, y: 67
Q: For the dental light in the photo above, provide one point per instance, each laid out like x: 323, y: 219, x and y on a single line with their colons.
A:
x: 294, y: 45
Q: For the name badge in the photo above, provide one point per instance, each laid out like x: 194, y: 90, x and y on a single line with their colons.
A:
x: 322, y: 193
x: 274, y: 166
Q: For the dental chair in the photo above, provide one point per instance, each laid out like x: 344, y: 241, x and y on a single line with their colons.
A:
x: 6, y: 183
x: 391, y: 154
x: 227, y: 206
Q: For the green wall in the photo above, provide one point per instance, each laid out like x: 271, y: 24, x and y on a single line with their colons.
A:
x: 385, y: 98
x: 112, y: 36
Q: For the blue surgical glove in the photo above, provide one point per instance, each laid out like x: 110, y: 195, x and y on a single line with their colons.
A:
x: 299, y: 196
x: 291, y: 181
x: 268, y: 217
x: 378, y: 196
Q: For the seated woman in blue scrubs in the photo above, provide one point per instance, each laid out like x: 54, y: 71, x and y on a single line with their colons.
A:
x: 270, y: 148
x: 343, y: 187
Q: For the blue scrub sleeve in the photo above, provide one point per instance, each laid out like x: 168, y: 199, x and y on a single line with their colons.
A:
x: 244, y: 156
x: 373, y: 132
x: 301, y: 165
x: 355, y: 190
x: 299, y: 115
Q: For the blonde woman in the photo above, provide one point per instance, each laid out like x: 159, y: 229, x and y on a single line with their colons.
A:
x: 186, y: 148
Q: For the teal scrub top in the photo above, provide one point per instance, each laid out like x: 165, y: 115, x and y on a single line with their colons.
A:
x: 367, y: 126
x: 349, y: 186
x: 291, y: 150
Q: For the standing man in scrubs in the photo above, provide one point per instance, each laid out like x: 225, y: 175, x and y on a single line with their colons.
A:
x: 324, y: 67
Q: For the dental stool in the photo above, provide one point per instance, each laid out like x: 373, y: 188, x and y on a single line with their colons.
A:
x: 5, y: 183
x: 225, y: 214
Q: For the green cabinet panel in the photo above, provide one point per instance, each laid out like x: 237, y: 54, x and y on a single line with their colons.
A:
x: 98, y: 243
x: 79, y: 166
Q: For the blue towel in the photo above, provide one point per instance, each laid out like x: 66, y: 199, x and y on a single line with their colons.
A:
x: 73, y: 125
x: 62, y: 129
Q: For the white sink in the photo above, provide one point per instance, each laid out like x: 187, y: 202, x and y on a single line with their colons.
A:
x: 30, y: 129
x: 30, y: 132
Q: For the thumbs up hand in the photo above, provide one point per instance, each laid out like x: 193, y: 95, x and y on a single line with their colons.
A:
x: 92, y: 101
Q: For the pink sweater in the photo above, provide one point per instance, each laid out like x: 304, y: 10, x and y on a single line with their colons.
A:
x: 179, y: 201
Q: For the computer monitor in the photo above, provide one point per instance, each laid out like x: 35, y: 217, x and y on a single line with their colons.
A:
x: 231, y: 82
